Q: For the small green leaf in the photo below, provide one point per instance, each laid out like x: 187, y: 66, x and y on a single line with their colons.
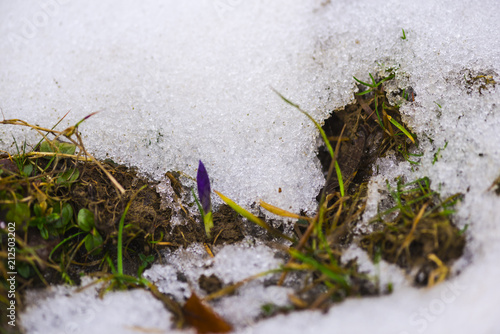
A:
x: 57, y: 146
x: 18, y: 212
x: 52, y: 218
x: 67, y: 148
x: 85, y: 220
x: 93, y: 241
x: 45, y: 147
x: 66, y: 214
x: 146, y: 259
x: 28, y: 169
x: 37, y: 210
x: 89, y: 243
x: 69, y: 176
x: 44, y: 232
x: 24, y: 269
x: 97, y: 238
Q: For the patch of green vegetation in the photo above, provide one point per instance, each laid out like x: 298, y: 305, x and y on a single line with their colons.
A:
x: 375, y: 102
x: 417, y: 232
x: 57, y: 195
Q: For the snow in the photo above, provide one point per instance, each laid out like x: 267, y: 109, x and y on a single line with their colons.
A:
x: 232, y: 264
x: 175, y: 82
x: 79, y: 312
x: 182, y: 81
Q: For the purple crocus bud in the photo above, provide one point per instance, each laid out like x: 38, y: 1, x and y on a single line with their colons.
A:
x: 204, y: 188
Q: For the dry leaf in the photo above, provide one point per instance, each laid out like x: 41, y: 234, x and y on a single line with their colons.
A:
x: 203, y: 318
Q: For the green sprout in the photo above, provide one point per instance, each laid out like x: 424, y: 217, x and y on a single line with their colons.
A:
x: 437, y: 155
x: 120, y: 234
x: 374, y: 83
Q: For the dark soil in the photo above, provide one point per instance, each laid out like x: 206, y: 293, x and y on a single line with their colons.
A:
x: 147, y: 219
x: 210, y: 284
x: 96, y: 193
x: 228, y: 229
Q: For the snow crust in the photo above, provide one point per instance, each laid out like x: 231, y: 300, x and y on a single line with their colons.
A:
x: 61, y: 310
x: 232, y: 264
x: 179, y: 81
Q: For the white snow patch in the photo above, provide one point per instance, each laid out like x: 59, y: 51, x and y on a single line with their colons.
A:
x: 383, y: 273
x: 79, y: 312
x: 231, y: 264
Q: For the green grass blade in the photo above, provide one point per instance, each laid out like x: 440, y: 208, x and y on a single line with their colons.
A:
x: 248, y: 215
x: 338, y: 278
x: 323, y: 134
x: 119, y: 246
x: 400, y: 127
x: 362, y: 82
x: 63, y: 242
x: 384, y: 80
x: 374, y: 83
x: 339, y: 178
x: 364, y: 92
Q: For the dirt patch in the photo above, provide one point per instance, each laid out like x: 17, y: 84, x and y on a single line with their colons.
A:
x: 228, y: 226
x: 228, y: 229
x: 210, y: 284
x: 95, y: 192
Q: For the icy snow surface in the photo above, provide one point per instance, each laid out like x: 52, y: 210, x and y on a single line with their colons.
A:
x: 179, y: 81
x: 84, y: 312
x: 232, y: 264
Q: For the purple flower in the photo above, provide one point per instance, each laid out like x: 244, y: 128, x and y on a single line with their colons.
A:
x: 204, y: 188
